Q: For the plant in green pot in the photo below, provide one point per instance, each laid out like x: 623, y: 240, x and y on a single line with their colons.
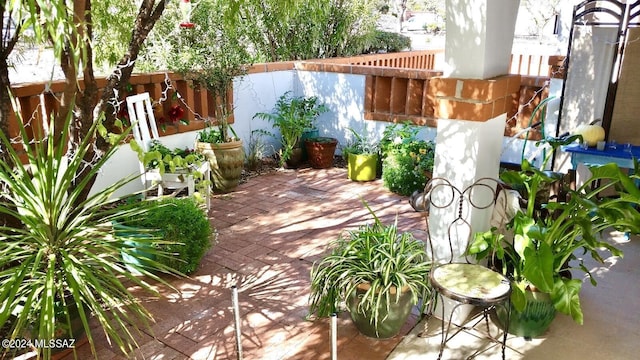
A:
x: 293, y: 116
x: 378, y: 271
x: 212, y: 65
x: 362, y: 158
x: 542, y: 243
x: 184, y: 229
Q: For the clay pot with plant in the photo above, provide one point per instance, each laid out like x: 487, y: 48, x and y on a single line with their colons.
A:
x: 292, y: 116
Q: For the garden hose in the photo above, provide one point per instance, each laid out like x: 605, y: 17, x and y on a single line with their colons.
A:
x: 542, y: 104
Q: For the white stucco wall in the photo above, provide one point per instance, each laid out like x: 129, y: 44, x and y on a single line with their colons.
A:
x: 342, y: 93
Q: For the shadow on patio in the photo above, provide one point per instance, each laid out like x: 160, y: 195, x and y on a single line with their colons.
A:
x: 272, y: 228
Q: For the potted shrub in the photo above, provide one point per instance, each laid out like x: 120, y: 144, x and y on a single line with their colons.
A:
x: 58, y: 254
x: 362, y: 158
x: 321, y: 151
x: 184, y: 229
x: 377, y: 271
x: 293, y: 115
x: 538, y: 249
x: 407, y: 162
x: 213, y: 65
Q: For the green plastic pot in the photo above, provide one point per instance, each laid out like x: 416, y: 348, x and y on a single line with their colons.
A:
x: 362, y: 167
x: 139, y: 256
x: 534, y: 320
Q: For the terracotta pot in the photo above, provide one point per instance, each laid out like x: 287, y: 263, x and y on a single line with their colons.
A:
x: 296, y: 158
x: 320, y: 151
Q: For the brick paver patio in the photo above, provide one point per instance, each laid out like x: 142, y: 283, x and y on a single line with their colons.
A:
x: 270, y: 230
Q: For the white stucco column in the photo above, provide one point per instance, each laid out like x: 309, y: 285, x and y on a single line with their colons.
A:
x: 479, y: 37
x: 472, y: 101
x: 473, y: 98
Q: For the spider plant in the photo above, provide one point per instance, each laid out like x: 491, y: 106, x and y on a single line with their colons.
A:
x: 388, y: 261
x: 59, y: 255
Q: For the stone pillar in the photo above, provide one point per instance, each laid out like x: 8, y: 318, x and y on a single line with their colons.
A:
x: 472, y: 98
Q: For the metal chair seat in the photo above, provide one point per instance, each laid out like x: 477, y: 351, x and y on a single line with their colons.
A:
x: 470, y: 284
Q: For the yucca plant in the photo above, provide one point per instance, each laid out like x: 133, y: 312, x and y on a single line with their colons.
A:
x: 388, y: 261
x: 60, y: 256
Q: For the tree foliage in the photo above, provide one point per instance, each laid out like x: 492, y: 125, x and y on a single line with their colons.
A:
x: 67, y: 27
x: 308, y: 29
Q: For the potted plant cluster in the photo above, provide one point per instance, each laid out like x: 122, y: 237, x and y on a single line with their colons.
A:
x: 212, y: 65
x: 538, y: 249
x: 407, y: 162
x: 293, y: 116
x: 378, y: 271
x: 59, y: 259
x: 362, y: 157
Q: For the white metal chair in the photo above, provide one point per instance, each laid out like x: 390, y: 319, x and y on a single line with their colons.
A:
x: 145, y: 131
x: 453, y: 276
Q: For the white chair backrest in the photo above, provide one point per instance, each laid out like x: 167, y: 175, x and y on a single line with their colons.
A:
x: 142, y: 119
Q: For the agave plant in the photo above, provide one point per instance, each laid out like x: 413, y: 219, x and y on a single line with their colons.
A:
x: 59, y: 255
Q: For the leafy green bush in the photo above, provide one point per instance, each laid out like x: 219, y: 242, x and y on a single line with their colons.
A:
x: 186, y: 230
x: 386, y: 41
x: 406, y: 159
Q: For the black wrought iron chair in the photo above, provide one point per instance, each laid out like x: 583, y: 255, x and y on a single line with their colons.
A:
x: 454, y: 276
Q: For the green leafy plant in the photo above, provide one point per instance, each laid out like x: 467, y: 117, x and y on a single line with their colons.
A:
x: 292, y: 115
x: 185, y: 229
x: 175, y: 160
x: 360, y: 144
x: 386, y: 41
x: 59, y: 255
x: 376, y: 254
x: 330, y: 28
x: 544, y: 244
x: 406, y: 159
x: 161, y: 157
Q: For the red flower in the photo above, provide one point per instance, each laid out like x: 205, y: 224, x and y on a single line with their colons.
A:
x: 176, y: 113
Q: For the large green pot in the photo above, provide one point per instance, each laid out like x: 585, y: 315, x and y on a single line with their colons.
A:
x: 534, y: 320
x: 389, y: 323
x: 139, y: 253
x: 226, y: 161
x: 362, y: 167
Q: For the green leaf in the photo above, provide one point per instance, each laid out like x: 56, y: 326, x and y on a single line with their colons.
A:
x: 518, y: 299
x: 566, y: 298
x: 538, y: 267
